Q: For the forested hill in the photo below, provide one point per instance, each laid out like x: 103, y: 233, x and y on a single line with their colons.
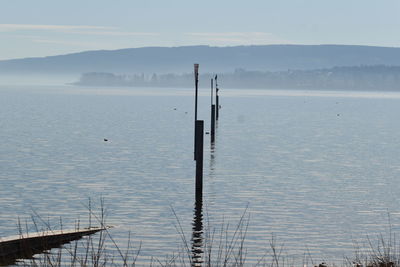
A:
x: 211, y: 59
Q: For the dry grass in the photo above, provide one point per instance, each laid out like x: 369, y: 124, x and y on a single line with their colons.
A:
x: 89, y: 251
x: 208, y: 246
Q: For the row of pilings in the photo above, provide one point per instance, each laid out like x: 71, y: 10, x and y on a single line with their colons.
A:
x: 197, y: 238
x: 199, y: 128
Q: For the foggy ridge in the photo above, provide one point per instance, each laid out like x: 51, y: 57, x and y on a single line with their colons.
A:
x: 211, y: 59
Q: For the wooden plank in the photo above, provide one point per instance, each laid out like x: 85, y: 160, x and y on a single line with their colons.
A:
x: 24, y: 247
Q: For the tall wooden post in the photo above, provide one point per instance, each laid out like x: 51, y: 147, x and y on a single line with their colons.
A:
x: 217, y: 104
x: 216, y: 98
x: 199, y: 157
x: 212, y: 123
x: 196, y: 85
x: 212, y: 113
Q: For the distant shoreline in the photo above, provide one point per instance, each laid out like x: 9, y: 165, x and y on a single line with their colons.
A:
x: 357, y: 78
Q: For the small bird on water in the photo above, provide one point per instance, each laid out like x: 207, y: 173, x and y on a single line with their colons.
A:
x: 105, y: 139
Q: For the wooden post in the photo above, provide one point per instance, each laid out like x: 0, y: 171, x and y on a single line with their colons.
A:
x: 199, y: 157
x: 212, y: 123
x: 212, y: 89
x: 212, y: 113
x: 216, y: 98
x: 217, y: 110
x: 196, y: 84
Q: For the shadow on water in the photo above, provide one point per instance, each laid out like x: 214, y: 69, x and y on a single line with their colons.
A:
x: 197, y: 236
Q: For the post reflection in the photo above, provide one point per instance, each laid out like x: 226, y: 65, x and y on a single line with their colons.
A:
x: 212, y: 157
x: 212, y: 194
x: 197, y: 236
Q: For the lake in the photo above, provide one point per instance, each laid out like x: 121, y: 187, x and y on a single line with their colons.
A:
x: 316, y: 171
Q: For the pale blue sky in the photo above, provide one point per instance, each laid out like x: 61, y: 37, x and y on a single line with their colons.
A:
x: 31, y: 28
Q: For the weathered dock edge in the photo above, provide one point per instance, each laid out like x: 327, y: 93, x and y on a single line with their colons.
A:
x: 24, y: 247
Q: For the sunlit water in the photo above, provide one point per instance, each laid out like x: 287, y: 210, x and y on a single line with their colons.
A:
x: 318, y: 171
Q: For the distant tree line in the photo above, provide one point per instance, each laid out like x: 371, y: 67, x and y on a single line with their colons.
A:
x: 377, y: 77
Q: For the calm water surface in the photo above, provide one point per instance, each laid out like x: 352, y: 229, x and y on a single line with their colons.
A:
x: 317, y: 170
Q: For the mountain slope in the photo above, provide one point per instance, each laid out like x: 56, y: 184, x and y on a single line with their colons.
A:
x: 211, y: 59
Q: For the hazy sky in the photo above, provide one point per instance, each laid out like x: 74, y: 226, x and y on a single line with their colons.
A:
x: 49, y: 27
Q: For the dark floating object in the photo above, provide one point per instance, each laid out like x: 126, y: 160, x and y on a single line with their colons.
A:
x: 207, y: 132
x: 174, y: 108
x: 24, y: 247
x: 105, y: 139
x: 186, y: 112
x: 338, y: 114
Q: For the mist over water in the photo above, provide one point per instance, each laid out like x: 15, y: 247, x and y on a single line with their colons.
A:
x: 37, y: 80
x: 317, y: 170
